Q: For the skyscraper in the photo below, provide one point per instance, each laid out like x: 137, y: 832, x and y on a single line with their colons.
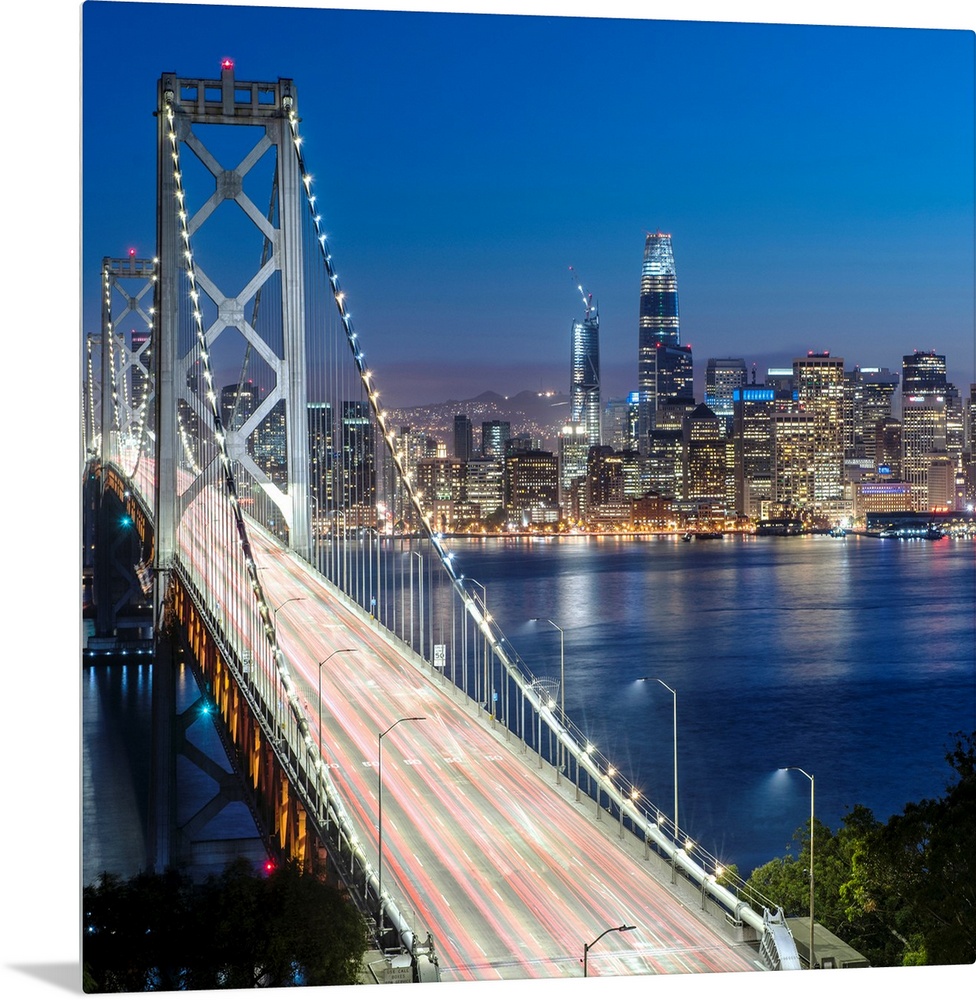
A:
x: 494, y: 434
x: 923, y: 440
x: 752, y: 412
x: 574, y: 449
x: 923, y: 371
x: 705, y: 480
x: 463, y: 437
x: 358, y: 471
x: 868, y: 394
x: 658, y: 326
x: 722, y: 377
x: 929, y: 407
x: 584, y: 390
x: 818, y: 380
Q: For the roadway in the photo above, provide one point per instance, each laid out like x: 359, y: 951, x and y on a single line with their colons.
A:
x: 509, y: 875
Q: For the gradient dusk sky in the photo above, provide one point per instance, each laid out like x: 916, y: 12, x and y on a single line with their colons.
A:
x: 817, y: 180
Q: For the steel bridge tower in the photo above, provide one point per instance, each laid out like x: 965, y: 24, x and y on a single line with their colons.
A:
x: 227, y: 102
x: 191, y: 117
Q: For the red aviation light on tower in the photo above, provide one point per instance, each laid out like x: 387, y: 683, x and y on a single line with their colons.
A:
x: 226, y: 64
x: 132, y: 251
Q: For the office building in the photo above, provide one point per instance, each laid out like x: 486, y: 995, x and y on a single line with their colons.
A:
x: 752, y: 410
x: 941, y: 484
x: 321, y: 458
x: 722, y: 377
x: 923, y: 371
x: 663, y: 453
x: 883, y: 496
x: 441, y: 484
x: 878, y: 387
x: 463, y: 437
x: 357, y: 495
x: 923, y: 439
x: 794, y: 447
x: 969, y: 420
x: 486, y: 487
x: 887, y: 447
x: 704, y: 456
x: 658, y: 326
x: 532, y: 487
x: 818, y: 380
x: 574, y: 447
x: 584, y: 389
x: 494, y: 435
x: 607, y: 504
x: 620, y: 423
x: 780, y: 380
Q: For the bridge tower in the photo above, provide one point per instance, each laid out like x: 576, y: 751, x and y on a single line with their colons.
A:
x: 184, y: 106
x: 201, y: 125
x: 125, y: 374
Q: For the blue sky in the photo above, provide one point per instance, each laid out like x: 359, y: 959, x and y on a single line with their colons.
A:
x: 817, y: 180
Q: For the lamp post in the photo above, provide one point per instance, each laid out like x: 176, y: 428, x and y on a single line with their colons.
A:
x: 674, y: 717
x: 321, y: 664
x: 274, y: 615
x: 277, y: 609
x: 562, y: 689
x: 587, y: 947
x: 318, y: 785
x: 379, y: 800
x: 810, y: 776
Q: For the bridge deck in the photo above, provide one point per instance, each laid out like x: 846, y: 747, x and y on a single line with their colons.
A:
x: 509, y: 874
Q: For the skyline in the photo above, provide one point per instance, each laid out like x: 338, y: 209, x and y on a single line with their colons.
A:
x: 464, y: 203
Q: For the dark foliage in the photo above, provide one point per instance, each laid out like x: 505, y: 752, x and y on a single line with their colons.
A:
x: 238, y: 930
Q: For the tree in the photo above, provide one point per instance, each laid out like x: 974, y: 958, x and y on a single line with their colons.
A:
x: 914, y: 877
x: 901, y: 892
x: 239, y: 929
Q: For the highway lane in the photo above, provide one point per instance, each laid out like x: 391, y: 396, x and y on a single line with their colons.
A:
x: 510, y: 877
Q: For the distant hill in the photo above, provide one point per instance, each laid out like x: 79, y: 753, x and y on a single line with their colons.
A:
x: 538, y: 414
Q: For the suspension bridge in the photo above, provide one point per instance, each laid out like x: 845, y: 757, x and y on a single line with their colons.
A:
x: 243, y: 481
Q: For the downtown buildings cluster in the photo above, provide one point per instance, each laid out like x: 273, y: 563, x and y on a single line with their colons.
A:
x: 819, y: 443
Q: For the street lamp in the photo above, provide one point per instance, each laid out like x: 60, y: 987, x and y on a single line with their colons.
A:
x: 810, y: 776
x: 562, y: 688
x: 319, y: 780
x: 587, y: 947
x: 321, y: 664
x: 379, y: 839
x: 674, y: 702
x: 277, y: 609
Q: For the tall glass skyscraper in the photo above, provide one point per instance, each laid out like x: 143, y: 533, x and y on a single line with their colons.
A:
x: 584, y: 390
x: 658, y: 332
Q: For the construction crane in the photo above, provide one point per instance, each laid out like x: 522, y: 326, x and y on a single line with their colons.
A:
x: 587, y: 296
